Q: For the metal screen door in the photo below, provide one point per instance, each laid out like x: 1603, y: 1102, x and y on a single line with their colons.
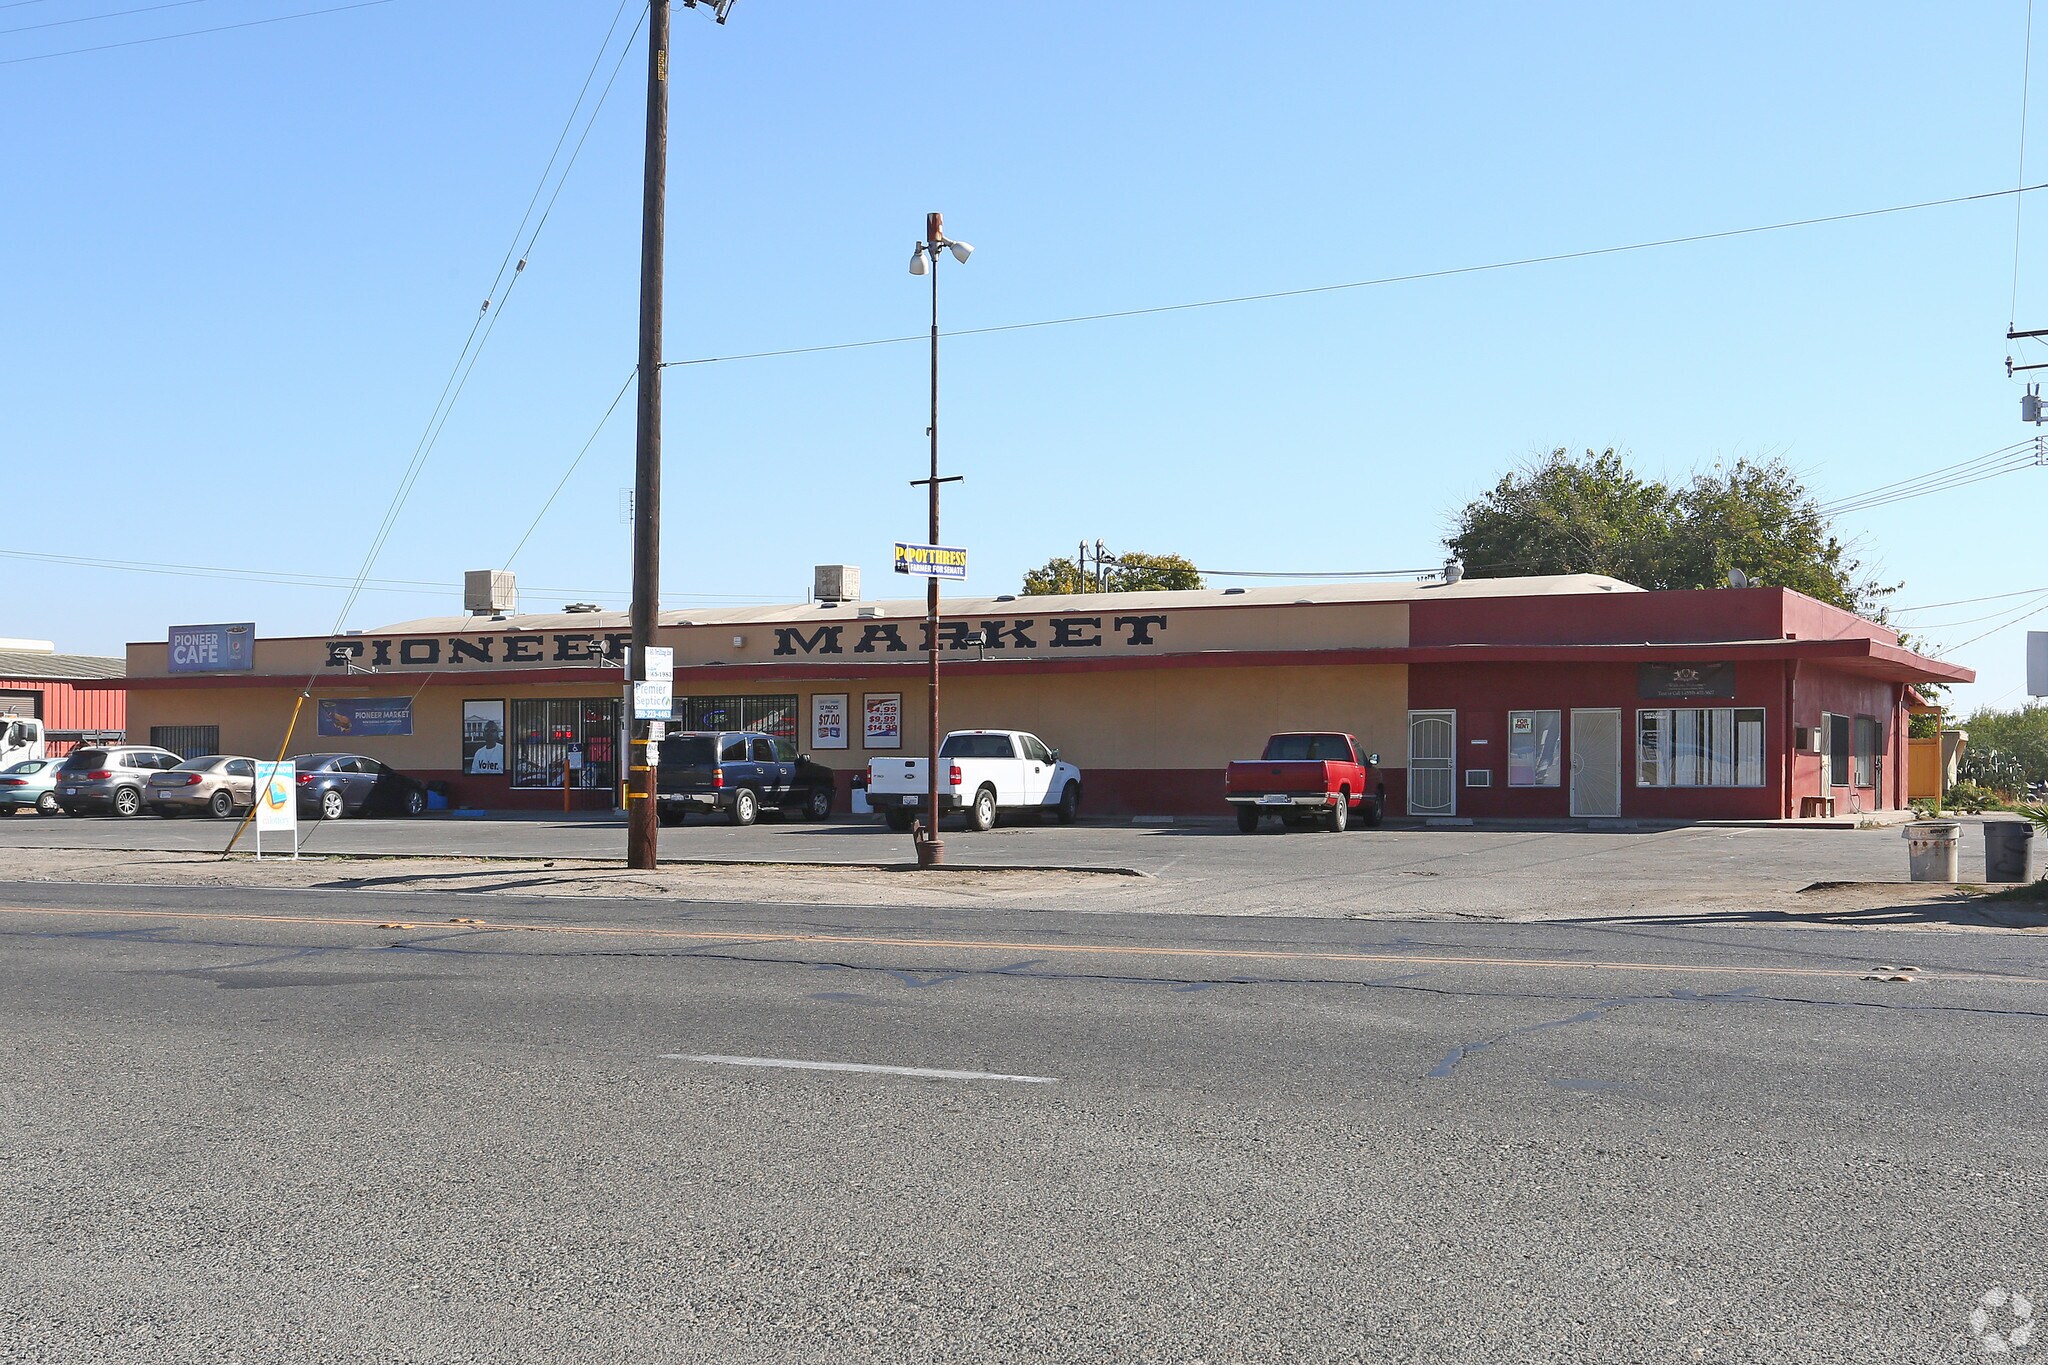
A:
x: 1596, y: 763
x: 1432, y: 759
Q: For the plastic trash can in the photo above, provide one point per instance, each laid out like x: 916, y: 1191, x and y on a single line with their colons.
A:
x: 2008, y: 850
x: 1932, y: 846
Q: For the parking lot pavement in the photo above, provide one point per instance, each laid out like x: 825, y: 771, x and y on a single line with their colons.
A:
x: 1200, y: 868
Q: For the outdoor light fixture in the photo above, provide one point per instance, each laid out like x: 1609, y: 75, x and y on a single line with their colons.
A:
x: 918, y: 266
x: 961, y: 251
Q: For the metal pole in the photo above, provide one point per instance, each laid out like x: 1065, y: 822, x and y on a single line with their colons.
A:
x: 640, y: 815
x: 931, y: 850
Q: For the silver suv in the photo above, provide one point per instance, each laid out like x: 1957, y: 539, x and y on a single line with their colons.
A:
x: 110, y: 779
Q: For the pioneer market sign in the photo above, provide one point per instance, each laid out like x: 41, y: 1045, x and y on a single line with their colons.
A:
x: 837, y: 639
x: 886, y: 637
x: 464, y: 651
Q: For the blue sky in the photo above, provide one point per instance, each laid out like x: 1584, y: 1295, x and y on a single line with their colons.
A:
x: 239, y: 267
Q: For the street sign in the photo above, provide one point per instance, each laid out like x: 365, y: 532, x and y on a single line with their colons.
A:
x: 2037, y: 663
x: 655, y: 698
x: 277, y: 802
x: 931, y: 561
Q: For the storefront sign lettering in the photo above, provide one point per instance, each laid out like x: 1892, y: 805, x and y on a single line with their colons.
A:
x: 1685, y: 680
x: 570, y: 647
x: 884, y: 637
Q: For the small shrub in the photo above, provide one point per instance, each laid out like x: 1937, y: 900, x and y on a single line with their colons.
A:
x: 1968, y: 796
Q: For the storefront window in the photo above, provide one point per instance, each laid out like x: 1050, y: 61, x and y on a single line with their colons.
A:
x: 1532, y: 748
x: 1700, y: 747
x: 770, y: 715
x: 579, y: 735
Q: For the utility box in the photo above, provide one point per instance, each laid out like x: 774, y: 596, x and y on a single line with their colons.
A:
x: 836, y: 582
x: 489, y: 592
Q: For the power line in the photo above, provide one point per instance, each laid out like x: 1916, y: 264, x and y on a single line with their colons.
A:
x: 1969, y: 601
x: 1928, y: 474
x: 563, y: 482
x: 1347, y: 574
x: 112, y: 14
x: 2026, y: 455
x: 2026, y: 613
x: 473, y: 346
x: 194, y: 33
x: 287, y: 578
x: 1369, y: 284
x: 1920, y: 492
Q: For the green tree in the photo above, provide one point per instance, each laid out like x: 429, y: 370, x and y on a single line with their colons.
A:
x: 1563, y: 514
x: 1132, y: 572
x: 2020, y: 735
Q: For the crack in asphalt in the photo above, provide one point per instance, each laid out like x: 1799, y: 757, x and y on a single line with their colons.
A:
x: 1464, y: 1050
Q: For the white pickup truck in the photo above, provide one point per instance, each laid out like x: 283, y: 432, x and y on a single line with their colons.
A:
x: 985, y: 772
x: 21, y: 737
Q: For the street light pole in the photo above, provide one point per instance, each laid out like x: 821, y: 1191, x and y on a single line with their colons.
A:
x: 641, y: 823
x: 924, y: 259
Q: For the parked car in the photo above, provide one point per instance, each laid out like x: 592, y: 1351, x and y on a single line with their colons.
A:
x: 1306, y: 777
x: 334, y: 785
x: 30, y: 785
x: 218, y: 784
x: 110, y: 779
x: 987, y: 772
x: 740, y: 772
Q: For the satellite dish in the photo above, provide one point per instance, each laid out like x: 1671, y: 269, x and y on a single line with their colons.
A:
x: 1738, y: 579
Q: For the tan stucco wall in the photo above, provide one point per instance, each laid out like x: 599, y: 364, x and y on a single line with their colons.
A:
x: 1136, y: 719
x: 1193, y: 630
x: 252, y: 720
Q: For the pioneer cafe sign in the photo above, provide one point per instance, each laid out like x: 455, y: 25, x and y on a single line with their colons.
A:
x: 836, y: 639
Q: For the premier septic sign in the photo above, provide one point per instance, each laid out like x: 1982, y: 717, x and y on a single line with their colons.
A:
x: 931, y: 561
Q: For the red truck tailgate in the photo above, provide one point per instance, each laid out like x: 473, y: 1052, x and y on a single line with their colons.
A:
x: 1260, y: 775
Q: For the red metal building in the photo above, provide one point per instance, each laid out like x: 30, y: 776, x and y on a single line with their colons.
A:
x: 69, y: 693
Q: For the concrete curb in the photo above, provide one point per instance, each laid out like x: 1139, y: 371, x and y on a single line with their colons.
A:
x: 586, y: 864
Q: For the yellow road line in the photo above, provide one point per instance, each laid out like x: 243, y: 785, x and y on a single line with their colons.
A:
x: 1027, y: 946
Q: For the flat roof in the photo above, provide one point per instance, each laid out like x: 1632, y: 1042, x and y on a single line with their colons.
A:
x: 1009, y: 604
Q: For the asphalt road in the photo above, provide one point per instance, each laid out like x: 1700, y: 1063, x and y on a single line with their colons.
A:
x: 1497, y: 873
x: 253, y: 1126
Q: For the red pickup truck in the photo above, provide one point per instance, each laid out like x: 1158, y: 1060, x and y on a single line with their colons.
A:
x: 1304, y: 777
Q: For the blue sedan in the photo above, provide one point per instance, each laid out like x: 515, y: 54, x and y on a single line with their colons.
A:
x: 30, y: 785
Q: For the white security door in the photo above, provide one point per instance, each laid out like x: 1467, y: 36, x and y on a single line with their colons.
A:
x: 1432, y: 760
x: 1596, y: 763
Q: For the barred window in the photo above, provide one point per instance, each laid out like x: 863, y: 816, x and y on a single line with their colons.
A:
x: 772, y: 715
x: 579, y: 733
x: 187, y: 741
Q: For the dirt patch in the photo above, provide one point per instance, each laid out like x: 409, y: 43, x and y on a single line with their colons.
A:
x: 790, y: 882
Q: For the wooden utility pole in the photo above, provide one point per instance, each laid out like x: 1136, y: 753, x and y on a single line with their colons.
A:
x: 641, y: 824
